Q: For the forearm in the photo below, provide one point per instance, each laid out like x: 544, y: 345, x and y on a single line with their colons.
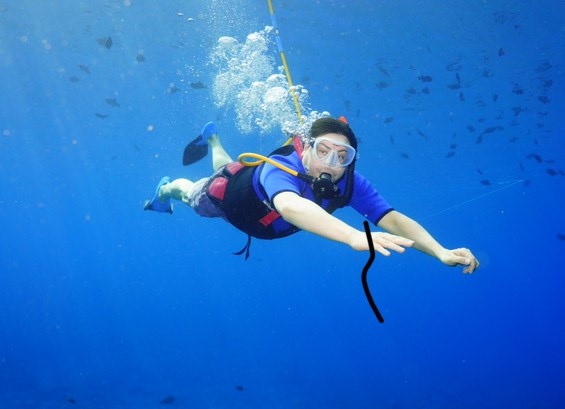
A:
x: 310, y: 217
x: 401, y: 225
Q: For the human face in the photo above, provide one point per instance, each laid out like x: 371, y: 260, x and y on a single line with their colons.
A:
x: 318, y: 162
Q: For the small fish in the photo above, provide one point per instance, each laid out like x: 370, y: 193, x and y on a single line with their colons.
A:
x: 167, y: 400
x: 490, y: 129
x: 547, y: 83
x: 384, y: 72
x: 502, y: 17
x: 480, y: 172
x: 535, y: 156
x: 544, y: 99
x: 239, y: 388
x: 561, y: 236
x: 453, y: 146
x: 105, y: 41
x: 454, y: 66
x: 71, y: 400
x: 501, y: 52
x: 84, y: 68
x: 454, y: 86
x: 404, y: 155
x: 422, y: 134
x: 101, y: 116
x: 486, y: 182
x: 140, y: 58
x: 479, y: 139
x: 551, y: 172
x: 450, y: 154
x: 470, y: 128
x: 488, y: 73
x: 112, y: 102
x: 425, y: 78
x: 172, y: 89
x: 389, y: 120
x: 426, y: 90
x: 495, y: 97
x: 461, y: 96
x: 544, y: 67
x: 74, y: 79
x: 516, y: 89
x: 382, y: 85
x: 198, y: 85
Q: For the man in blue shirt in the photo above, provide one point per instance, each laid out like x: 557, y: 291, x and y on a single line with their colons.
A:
x: 297, y: 188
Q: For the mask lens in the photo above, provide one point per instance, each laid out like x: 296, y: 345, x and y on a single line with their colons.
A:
x: 333, y: 153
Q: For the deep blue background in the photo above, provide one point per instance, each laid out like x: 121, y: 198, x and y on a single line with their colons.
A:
x: 114, y: 307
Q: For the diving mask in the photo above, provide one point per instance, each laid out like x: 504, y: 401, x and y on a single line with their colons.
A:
x: 333, y: 154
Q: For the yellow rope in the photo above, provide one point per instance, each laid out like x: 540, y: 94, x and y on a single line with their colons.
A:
x: 284, y: 62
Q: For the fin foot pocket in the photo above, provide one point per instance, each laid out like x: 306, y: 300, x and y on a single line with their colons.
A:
x: 155, y: 204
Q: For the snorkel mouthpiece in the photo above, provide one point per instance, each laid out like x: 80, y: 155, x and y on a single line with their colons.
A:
x: 324, y: 188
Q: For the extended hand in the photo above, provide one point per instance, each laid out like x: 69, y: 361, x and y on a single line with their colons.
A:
x: 382, y: 242
x: 460, y: 257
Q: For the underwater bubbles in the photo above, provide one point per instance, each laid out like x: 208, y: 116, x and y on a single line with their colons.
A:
x: 249, y: 82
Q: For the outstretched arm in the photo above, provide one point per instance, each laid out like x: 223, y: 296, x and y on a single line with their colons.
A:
x: 397, y: 223
x: 310, y: 217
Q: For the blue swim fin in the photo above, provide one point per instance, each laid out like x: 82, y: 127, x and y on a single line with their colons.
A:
x: 155, y: 204
x: 198, y: 148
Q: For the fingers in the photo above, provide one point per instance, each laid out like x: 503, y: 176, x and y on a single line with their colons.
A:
x: 472, y: 266
x: 466, y: 258
x: 384, y: 242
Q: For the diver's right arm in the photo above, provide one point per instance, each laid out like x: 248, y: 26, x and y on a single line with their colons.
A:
x: 308, y: 216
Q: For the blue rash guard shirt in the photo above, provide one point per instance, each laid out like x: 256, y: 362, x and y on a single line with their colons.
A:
x: 365, y: 199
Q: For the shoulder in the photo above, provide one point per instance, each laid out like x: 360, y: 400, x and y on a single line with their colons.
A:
x: 289, y: 158
x: 275, y: 180
x: 361, y: 184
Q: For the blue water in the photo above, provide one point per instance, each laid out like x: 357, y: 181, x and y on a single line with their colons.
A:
x: 458, y: 108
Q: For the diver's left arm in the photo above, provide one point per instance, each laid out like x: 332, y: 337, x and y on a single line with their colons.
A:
x: 397, y: 223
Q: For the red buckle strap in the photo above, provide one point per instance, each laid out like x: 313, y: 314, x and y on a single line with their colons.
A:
x: 218, y: 187
x: 234, y: 167
x: 269, y: 218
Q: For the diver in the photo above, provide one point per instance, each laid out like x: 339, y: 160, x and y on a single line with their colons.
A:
x: 298, y: 187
